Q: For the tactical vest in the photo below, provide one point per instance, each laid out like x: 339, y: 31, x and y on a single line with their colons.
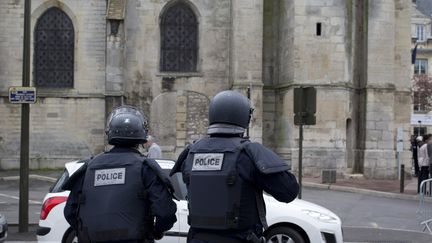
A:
x: 111, y: 204
x: 215, y: 189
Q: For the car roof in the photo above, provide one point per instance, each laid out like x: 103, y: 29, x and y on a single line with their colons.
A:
x: 165, y: 163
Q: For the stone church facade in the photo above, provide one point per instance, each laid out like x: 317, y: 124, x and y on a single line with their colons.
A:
x: 170, y: 57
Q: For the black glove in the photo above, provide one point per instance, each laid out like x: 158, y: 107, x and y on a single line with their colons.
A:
x: 158, y: 235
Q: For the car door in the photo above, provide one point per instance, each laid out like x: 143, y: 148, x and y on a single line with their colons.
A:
x: 182, y: 216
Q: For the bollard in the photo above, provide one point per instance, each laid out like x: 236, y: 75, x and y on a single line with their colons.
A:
x: 402, y: 178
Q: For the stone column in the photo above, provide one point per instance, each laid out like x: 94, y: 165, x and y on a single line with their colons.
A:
x: 114, y: 55
x: 246, y: 56
x: 387, y: 98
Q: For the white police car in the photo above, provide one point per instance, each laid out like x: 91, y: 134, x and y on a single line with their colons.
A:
x: 3, y: 228
x: 298, y: 222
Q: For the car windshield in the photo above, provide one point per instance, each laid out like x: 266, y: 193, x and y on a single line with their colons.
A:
x: 180, y: 190
x: 57, y: 187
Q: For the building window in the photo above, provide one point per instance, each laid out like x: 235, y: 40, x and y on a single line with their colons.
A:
x: 420, y: 66
x: 419, y: 107
x: 420, y: 131
x: 179, y: 39
x: 54, y: 50
x: 420, y: 32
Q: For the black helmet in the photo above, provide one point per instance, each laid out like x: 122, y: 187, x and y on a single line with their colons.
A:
x: 229, y: 112
x: 126, y: 125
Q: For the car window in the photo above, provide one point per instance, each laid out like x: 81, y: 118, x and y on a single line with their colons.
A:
x: 57, y: 187
x: 180, y: 190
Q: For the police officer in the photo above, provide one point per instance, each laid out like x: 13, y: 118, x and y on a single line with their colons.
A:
x: 226, y: 175
x: 120, y: 196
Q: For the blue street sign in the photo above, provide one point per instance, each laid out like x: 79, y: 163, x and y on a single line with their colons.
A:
x: 20, y: 95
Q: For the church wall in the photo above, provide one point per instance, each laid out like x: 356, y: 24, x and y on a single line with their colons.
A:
x: 388, y: 101
x: 142, y: 77
x: 65, y: 124
x: 268, y: 46
x: 143, y: 80
x: 320, y: 60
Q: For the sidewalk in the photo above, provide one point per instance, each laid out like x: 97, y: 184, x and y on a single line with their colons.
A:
x: 359, y: 184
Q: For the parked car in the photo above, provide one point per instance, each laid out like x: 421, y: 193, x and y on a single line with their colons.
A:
x: 3, y: 228
x: 299, y: 221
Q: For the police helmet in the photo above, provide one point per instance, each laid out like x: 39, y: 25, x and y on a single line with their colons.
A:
x: 126, y: 125
x: 229, y: 113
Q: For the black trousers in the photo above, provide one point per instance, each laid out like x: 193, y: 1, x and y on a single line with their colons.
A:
x: 423, y: 175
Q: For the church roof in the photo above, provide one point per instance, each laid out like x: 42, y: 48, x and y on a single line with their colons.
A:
x: 425, y: 7
x: 417, y: 13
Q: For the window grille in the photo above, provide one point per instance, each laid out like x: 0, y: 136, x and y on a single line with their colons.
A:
x: 54, y: 47
x: 179, y: 37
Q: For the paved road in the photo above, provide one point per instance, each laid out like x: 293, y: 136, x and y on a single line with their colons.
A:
x: 367, y: 218
x: 9, y: 199
x: 365, y: 210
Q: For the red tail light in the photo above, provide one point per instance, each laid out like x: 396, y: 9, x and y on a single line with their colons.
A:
x: 49, y: 204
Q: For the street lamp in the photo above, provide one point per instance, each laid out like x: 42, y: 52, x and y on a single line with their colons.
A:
x: 418, y: 130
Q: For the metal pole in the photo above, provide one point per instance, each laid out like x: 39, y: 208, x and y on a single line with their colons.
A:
x: 399, y: 164
x: 418, y: 130
x: 402, y: 178
x: 249, y: 97
x: 300, y: 160
x: 25, y: 127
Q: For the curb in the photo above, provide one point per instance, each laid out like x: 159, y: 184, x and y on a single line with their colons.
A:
x: 363, y: 191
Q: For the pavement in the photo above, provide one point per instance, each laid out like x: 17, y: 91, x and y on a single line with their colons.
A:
x: 358, y: 184
x: 352, y: 183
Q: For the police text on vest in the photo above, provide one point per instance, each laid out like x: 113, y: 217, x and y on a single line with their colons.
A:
x: 110, y: 177
x: 211, y: 161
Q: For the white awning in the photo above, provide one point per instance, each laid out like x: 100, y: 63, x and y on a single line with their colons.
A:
x: 421, y: 119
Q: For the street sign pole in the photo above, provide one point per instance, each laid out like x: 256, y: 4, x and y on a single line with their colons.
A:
x: 25, y: 127
x: 300, y: 165
x: 304, y: 110
x: 300, y: 160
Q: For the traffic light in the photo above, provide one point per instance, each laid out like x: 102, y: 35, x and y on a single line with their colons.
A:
x: 304, y: 106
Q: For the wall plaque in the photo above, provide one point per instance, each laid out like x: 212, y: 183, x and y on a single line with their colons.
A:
x: 116, y: 9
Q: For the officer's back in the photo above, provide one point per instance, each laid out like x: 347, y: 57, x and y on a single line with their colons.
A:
x: 119, y: 196
x: 226, y: 174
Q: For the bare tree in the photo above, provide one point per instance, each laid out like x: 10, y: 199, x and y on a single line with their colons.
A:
x: 422, y: 92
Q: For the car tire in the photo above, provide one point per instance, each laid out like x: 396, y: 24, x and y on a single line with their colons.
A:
x: 283, y: 234
x: 70, y: 237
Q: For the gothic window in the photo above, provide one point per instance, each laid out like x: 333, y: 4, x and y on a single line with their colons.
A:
x: 54, y: 50
x: 179, y: 39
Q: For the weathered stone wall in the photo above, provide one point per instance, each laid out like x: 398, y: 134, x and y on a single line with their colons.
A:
x: 320, y: 60
x: 65, y: 124
x: 61, y: 130
x: 142, y: 77
x: 267, y: 46
x: 388, y: 83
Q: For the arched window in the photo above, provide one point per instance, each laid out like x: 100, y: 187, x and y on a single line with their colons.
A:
x: 54, y: 47
x: 179, y: 39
